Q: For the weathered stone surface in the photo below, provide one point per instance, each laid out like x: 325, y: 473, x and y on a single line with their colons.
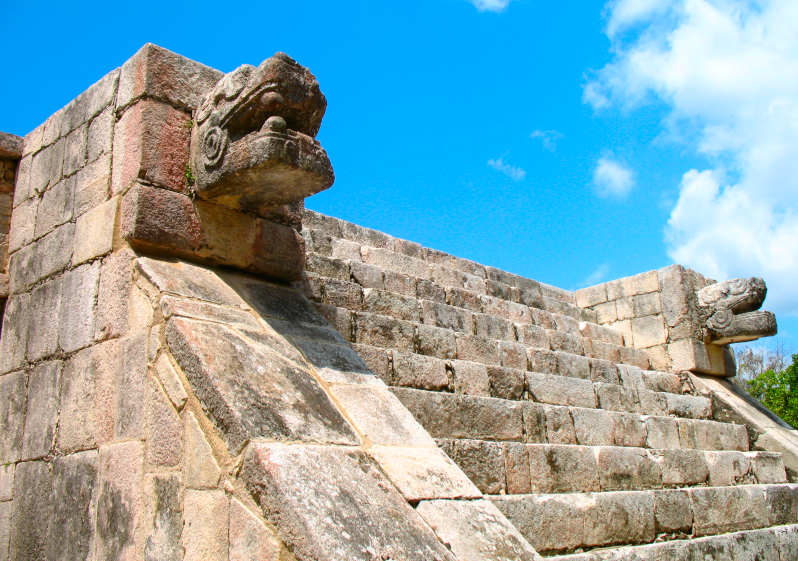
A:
x: 648, y: 331
x: 164, y: 522
x: 251, y: 392
x: 593, y: 427
x: 384, y: 331
x: 188, y: 280
x: 546, y: 362
x: 663, y: 434
x: 682, y: 467
x: 506, y: 383
x: 767, y: 467
x: 447, y: 317
x: 342, y: 294
x: 692, y: 407
x: 32, y: 509
x: 563, y: 469
x: 380, y: 416
x: 630, y: 430
x: 377, y: 361
x: 336, y: 363
x: 422, y: 372
x: 12, y: 415
x: 94, y: 232
x: 623, y: 469
x: 513, y: 355
x: 400, y: 283
x: 673, y: 511
x: 14, y: 338
x: 71, y: 535
x: 535, y: 425
x: 119, y: 505
x: 7, y: 481
x: 709, y: 435
x: 368, y: 519
x: 164, y: 431
x: 423, y: 473
x: 476, y: 531
x: 6, y: 509
x: 782, y: 504
x: 100, y: 135
x: 41, y: 259
x: 612, y: 397
x: 234, y: 317
x: 92, y: 185
x: 45, y: 302
x: 726, y: 468
x: 533, y: 336
x: 471, y: 378
x: 54, y: 209
x: 573, y: 366
x: 10, y: 145
x: 389, y: 303
x: 41, y: 418
x: 621, y: 517
x: 87, y: 399
x: 327, y: 267
x: 205, y: 530
x: 560, y: 390
x: 493, y: 327
x: 403, y: 264
x: 717, y: 510
x: 483, y: 462
x: 367, y: 276
x: 462, y: 416
x: 250, y: 539
x: 77, y: 316
x: 200, y: 470
x: 436, y: 342
x: 131, y: 386
x: 559, y: 425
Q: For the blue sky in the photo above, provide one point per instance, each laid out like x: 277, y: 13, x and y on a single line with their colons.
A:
x: 571, y: 142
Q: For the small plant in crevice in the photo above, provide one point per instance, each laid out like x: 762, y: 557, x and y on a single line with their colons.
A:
x: 190, y: 179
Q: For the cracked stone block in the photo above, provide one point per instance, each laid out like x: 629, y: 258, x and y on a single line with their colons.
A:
x: 32, y: 510
x: 368, y: 519
x: 251, y: 392
x: 12, y: 415
x: 423, y: 473
x: 87, y: 399
x: 250, y: 538
x: 71, y: 536
x: 164, y: 518
x: 563, y: 469
x: 171, y: 306
x: 476, y: 531
x: 205, y: 530
x: 171, y: 381
x: 200, y: 470
x: 41, y: 419
x: 516, y: 466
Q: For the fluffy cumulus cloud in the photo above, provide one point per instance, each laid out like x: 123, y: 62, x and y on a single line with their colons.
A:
x: 514, y: 173
x: 612, y: 177
x: 728, y: 70
x: 490, y: 5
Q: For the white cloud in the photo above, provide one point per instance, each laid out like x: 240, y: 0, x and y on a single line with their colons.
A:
x: 728, y: 69
x: 596, y: 276
x: 514, y: 173
x: 612, y: 177
x: 491, y: 5
x: 547, y: 138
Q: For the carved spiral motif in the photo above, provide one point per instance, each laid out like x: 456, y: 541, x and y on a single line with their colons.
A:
x: 214, y: 146
x: 720, y: 319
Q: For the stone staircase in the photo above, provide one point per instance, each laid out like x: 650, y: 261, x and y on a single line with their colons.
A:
x: 588, y: 452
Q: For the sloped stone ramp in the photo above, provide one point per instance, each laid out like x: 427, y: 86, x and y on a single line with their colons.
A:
x: 334, y: 460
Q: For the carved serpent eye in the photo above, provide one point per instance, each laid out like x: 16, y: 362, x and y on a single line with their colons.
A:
x: 720, y: 319
x: 214, y: 146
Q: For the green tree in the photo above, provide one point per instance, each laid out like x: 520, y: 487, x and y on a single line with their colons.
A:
x: 778, y: 391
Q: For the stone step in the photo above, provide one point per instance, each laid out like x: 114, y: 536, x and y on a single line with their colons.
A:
x: 775, y: 544
x: 449, y: 415
x: 563, y: 523
x: 499, y: 468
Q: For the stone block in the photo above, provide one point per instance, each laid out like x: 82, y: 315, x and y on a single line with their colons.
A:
x: 436, y: 342
x: 428, y: 290
x: 573, y: 366
x: 6, y: 509
x: 32, y: 511
x: 335, y: 363
x: 390, y: 304
x: 593, y: 427
x: 366, y: 236
x: 630, y: 430
x: 717, y: 510
x: 787, y: 544
x: 635, y: 357
x: 41, y: 418
x: 191, y: 281
x: 87, y: 399
x: 566, y: 342
x: 621, y: 517
x: 7, y: 482
x: 50, y: 254
x: 498, y: 290
x: 560, y: 390
x: 14, y: 339
x: 75, y: 150
x: 448, y: 277
x: 709, y: 435
x: 513, y: 355
x: 45, y: 302
x: 590, y: 296
x: 369, y: 518
x: 767, y: 467
x: 100, y: 135
x: 462, y: 298
x: 250, y: 539
x: 674, y: 294
x: 367, y: 276
x: 45, y: 168
x: 346, y: 250
x: 471, y: 378
x: 92, y: 185
x: 164, y: 520
x: 235, y: 317
x: 493, y: 327
x: 543, y: 361
x: 673, y: 512
x: 535, y: 425
x: 78, y: 310
x: 662, y: 382
x: 649, y: 331
x: 688, y: 406
x: 604, y: 371
x: 782, y: 504
x: 542, y: 319
x: 158, y: 73
x: 462, y: 416
x: 72, y: 526
x: 94, y: 232
x: 756, y: 546
x: 377, y: 361
x: 647, y: 304
x: 205, y: 526
x: 607, y: 312
x: 12, y: 415
x: 384, y: 331
x: 688, y: 354
x: 421, y: 372
x: 622, y: 469
x: 170, y: 381
x: 682, y: 467
x: 164, y: 430
x: 339, y: 318
x: 517, y: 468
x: 625, y: 308
x: 447, y: 317
x: 477, y: 285
x: 131, y: 386
x: 563, y: 469
x: 659, y: 358
x: 663, y: 434
x: 327, y: 267
x: 476, y: 530
x: 603, y: 351
x: 506, y: 383
x: 54, y: 209
x: 423, y: 473
x: 380, y: 416
x: 400, y: 283
x: 398, y: 262
x: 317, y: 221
x: 511, y: 311
x: 478, y: 349
x: 652, y: 403
x: 726, y: 468
x: 483, y: 462
x: 23, y: 224
x: 559, y: 425
x: 533, y: 336
x: 119, y: 505
x: 612, y: 397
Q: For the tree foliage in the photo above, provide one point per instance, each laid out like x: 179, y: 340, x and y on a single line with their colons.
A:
x: 778, y: 391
